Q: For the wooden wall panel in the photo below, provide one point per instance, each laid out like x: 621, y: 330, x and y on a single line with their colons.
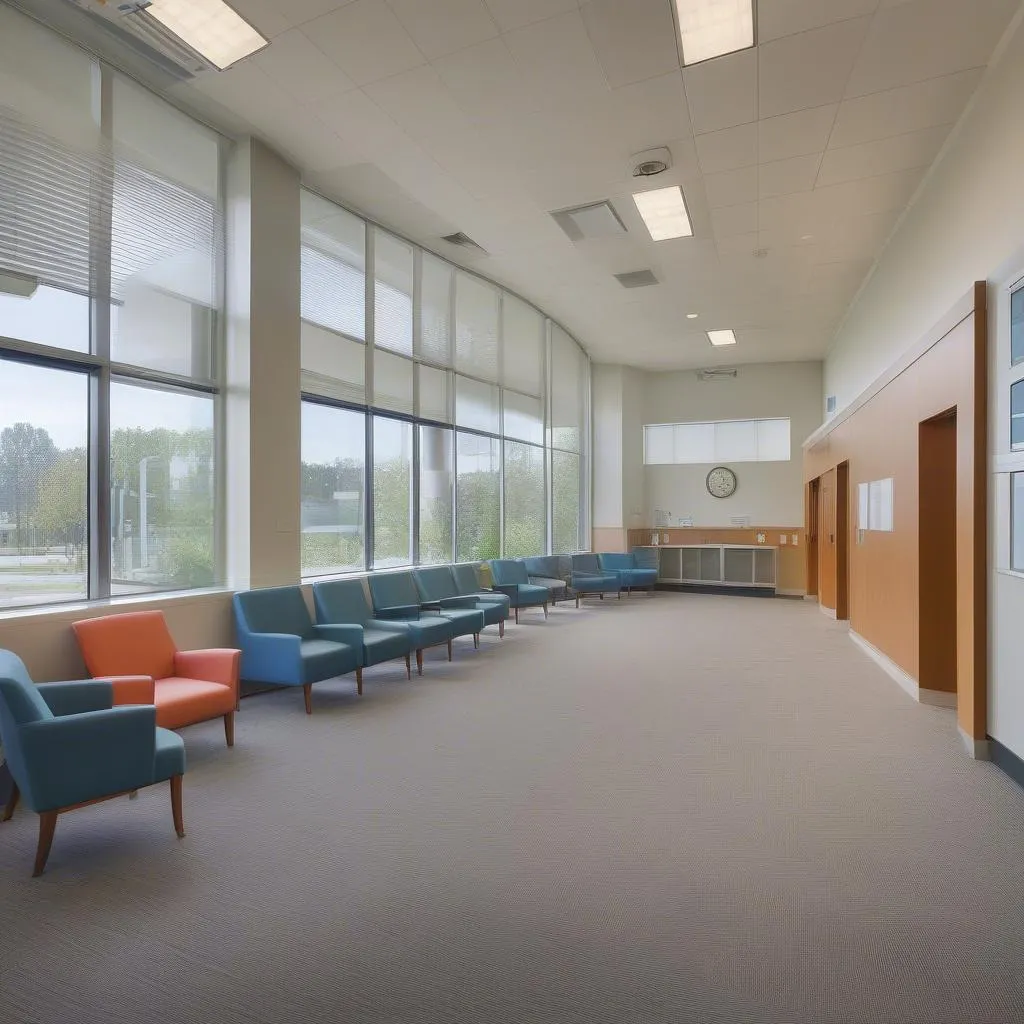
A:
x: 879, y: 436
x: 827, y: 564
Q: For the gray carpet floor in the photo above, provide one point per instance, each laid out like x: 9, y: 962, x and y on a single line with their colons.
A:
x: 670, y: 808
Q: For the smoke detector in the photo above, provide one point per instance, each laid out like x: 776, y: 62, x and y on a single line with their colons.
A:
x: 650, y: 162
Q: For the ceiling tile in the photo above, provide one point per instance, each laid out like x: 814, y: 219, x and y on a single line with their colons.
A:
x: 444, y: 26
x: 732, y: 245
x: 927, y: 38
x: 723, y: 92
x: 647, y: 114
x: 857, y: 237
x: 728, y: 221
x: 513, y: 14
x: 867, y: 195
x: 728, y: 149
x: 796, y: 134
x: 777, y: 18
x: 300, y: 68
x: 782, y: 177
x: 895, y: 111
x: 557, y: 56
x: 272, y: 17
x: 896, y: 153
x: 789, y: 216
x: 809, y: 69
x: 487, y: 83
x: 359, y: 121
x: 730, y: 188
x: 633, y: 41
x: 365, y: 40
x: 419, y: 101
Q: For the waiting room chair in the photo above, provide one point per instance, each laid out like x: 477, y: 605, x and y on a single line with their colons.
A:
x: 542, y: 571
x: 66, y: 746
x: 631, y: 575
x: 438, y: 591
x: 281, y: 644
x: 136, y: 652
x: 396, y: 599
x: 511, y: 578
x: 467, y: 584
x: 345, y: 601
x: 587, y: 578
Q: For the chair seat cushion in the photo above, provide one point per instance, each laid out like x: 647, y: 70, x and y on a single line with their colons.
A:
x: 595, y: 584
x: 493, y: 613
x: 639, y: 577
x: 325, y: 659
x: 554, y: 585
x: 181, y: 701
x: 383, y: 645
x: 428, y: 630
x: 465, y: 620
x: 530, y: 593
x: 170, y: 755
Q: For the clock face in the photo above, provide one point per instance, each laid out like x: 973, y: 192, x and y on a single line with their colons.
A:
x: 721, y: 482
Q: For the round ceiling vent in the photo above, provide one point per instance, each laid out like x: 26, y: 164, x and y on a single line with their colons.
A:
x: 650, y: 162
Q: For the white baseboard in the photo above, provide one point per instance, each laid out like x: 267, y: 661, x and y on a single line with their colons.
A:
x: 937, y: 698
x: 790, y: 593
x: 830, y: 612
x: 978, y: 749
x: 906, y: 681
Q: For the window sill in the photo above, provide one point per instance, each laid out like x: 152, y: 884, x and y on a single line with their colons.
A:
x: 126, y: 602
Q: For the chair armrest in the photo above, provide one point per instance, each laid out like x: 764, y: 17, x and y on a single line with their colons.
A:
x: 278, y: 653
x: 132, y: 690
x: 217, y: 665
x: 398, y: 611
x: 96, y: 753
x: 72, y: 698
x: 458, y: 602
x: 341, y: 633
x: 508, y: 589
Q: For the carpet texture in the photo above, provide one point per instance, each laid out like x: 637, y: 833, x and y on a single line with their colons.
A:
x: 670, y: 808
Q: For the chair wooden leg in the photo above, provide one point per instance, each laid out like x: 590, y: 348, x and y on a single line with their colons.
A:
x: 179, y: 822
x: 419, y: 661
x: 577, y: 600
x: 12, y: 802
x: 408, y: 667
x: 229, y: 728
x: 359, y: 681
x: 47, y: 824
x: 517, y: 616
x: 307, y: 692
x: 545, y: 609
x: 501, y: 628
x: 476, y: 641
x: 449, y: 650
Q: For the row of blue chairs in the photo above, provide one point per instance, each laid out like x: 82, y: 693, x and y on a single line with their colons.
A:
x: 364, y: 622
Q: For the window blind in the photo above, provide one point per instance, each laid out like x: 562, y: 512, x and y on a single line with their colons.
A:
x: 522, y: 346
x: 476, y: 327
x: 435, y: 343
x: 392, y: 293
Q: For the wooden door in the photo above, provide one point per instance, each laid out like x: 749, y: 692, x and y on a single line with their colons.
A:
x: 827, y: 563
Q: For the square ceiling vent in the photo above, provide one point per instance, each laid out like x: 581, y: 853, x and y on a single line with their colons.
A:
x: 595, y: 220
x: 636, y: 279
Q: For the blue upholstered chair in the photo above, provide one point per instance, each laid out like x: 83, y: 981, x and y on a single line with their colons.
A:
x: 631, y: 576
x: 396, y: 599
x: 467, y: 584
x: 345, y: 601
x: 281, y: 645
x: 511, y: 578
x: 437, y: 588
x: 587, y: 578
x: 542, y: 571
x: 66, y: 746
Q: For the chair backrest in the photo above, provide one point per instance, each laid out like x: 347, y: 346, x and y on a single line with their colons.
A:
x: 393, y: 589
x: 542, y: 565
x: 435, y: 583
x: 615, y: 560
x: 20, y: 704
x: 645, y: 558
x: 130, y: 644
x: 564, y: 563
x: 466, y: 579
x: 273, y: 610
x: 507, y: 571
x: 586, y: 563
x: 341, y: 601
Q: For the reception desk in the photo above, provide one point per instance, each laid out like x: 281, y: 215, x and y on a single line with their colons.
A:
x: 717, y: 565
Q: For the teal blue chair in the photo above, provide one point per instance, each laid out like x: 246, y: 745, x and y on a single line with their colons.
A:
x: 396, y: 599
x: 467, y: 584
x: 281, y: 645
x: 345, y: 601
x: 587, y: 578
x: 542, y: 571
x: 437, y: 589
x: 631, y: 575
x: 510, y: 577
x: 67, y: 746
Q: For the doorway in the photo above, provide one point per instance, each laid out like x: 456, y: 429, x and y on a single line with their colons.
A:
x: 936, y: 538
x: 827, y: 542
x: 842, y: 541
x: 811, y: 518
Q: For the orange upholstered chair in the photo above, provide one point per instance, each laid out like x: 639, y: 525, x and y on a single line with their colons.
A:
x: 136, y: 653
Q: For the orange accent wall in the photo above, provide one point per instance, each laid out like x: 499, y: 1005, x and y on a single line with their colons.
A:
x: 879, y: 436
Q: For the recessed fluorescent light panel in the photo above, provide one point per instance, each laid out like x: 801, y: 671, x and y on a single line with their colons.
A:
x: 720, y: 338
x: 664, y: 212
x: 210, y: 27
x: 711, y: 28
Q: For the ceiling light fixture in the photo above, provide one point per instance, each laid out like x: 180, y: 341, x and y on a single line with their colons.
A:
x: 711, y: 28
x: 210, y: 27
x: 692, y: 316
x: 720, y: 338
x: 664, y: 212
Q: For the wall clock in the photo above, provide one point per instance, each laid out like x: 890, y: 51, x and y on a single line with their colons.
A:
x: 721, y: 482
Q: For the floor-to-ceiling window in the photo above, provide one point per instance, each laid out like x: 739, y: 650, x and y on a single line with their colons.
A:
x: 111, y: 241
x: 464, y: 407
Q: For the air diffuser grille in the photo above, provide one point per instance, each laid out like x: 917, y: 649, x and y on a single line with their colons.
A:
x: 636, y: 279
